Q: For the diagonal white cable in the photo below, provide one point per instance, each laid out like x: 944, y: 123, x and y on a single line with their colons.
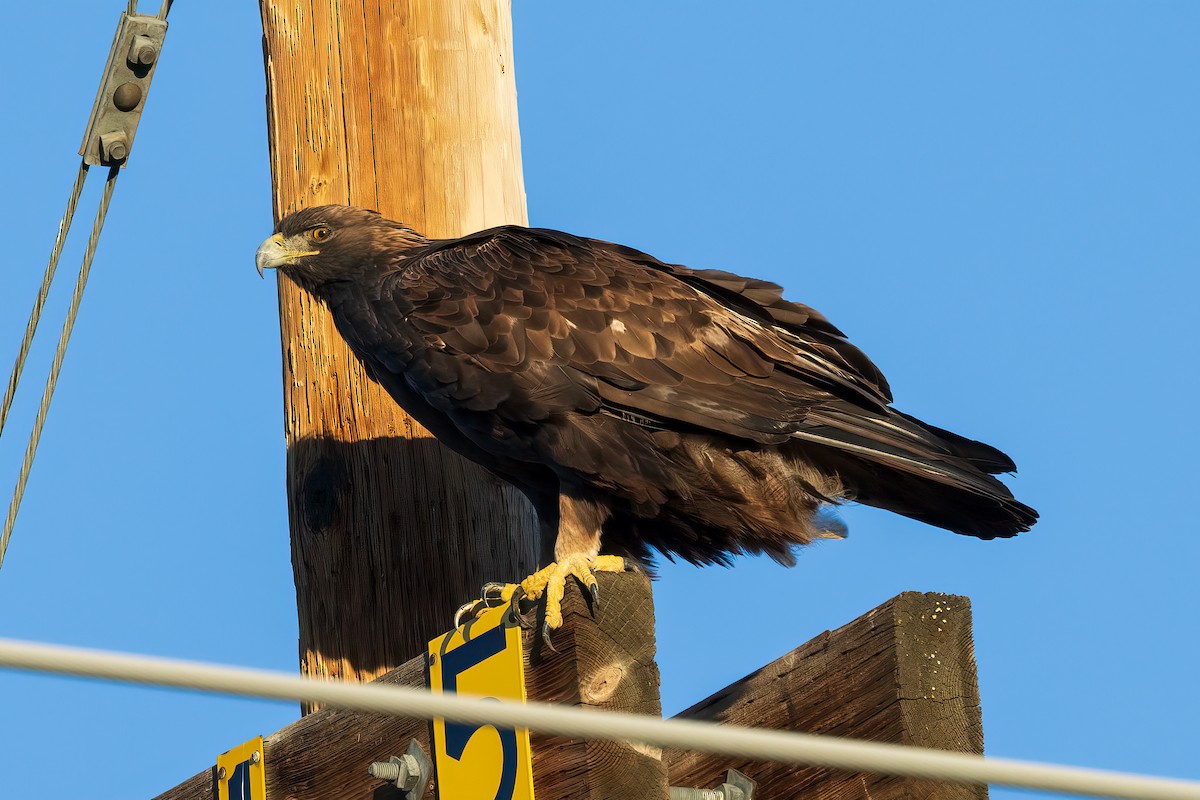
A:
x: 762, y: 745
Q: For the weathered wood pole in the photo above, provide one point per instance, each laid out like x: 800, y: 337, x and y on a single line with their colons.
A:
x: 408, y: 107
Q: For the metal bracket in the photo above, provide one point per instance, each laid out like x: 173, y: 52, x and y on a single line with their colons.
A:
x: 736, y: 787
x: 122, y: 95
x: 412, y: 772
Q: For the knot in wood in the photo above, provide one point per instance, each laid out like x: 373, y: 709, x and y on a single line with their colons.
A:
x: 603, y: 683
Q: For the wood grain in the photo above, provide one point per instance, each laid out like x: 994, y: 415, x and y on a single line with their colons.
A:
x: 606, y: 662
x: 904, y: 672
x: 408, y: 107
x: 325, y: 755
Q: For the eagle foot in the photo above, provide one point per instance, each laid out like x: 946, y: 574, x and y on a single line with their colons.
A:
x: 549, y: 582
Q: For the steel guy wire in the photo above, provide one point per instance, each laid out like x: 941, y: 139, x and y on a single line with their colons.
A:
x: 163, y: 10
x: 35, y: 316
x: 56, y: 366
x: 741, y: 742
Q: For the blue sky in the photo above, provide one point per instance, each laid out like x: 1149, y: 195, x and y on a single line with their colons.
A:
x: 998, y: 202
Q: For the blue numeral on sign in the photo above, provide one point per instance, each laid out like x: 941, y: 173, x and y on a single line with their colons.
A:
x: 239, y: 782
x: 456, y: 662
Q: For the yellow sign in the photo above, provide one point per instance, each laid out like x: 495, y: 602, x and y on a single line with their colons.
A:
x: 482, y: 658
x: 240, y: 774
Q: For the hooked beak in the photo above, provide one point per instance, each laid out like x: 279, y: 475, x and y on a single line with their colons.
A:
x: 278, y: 252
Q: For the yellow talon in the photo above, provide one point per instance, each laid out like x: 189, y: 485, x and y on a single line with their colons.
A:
x: 550, y: 581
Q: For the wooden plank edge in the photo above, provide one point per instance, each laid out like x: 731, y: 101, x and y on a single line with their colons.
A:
x: 903, y: 672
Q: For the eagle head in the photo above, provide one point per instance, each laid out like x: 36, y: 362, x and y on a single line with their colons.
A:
x: 328, y: 243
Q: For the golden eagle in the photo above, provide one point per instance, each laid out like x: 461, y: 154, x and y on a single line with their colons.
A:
x: 646, y: 405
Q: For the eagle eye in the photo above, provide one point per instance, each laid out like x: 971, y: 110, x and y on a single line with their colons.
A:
x: 320, y: 233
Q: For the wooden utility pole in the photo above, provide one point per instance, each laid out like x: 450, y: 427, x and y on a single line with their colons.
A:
x: 407, y: 107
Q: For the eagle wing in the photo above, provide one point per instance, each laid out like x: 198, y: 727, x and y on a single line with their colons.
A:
x: 535, y: 345
x: 531, y: 323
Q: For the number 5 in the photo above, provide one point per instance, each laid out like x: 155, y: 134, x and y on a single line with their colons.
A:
x: 456, y: 662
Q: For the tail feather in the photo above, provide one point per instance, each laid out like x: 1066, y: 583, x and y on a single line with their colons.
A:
x: 984, y: 456
x: 909, y: 467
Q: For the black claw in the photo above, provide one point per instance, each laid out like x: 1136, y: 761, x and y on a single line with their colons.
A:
x: 490, y: 594
x: 466, y: 612
x: 546, y: 637
x: 594, y: 590
x: 514, y: 608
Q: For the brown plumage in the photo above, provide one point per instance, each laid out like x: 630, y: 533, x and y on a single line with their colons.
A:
x: 691, y: 412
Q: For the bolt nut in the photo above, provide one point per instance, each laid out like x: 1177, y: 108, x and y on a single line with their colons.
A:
x: 113, y: 146
x: 404, y: 771
x: 143, y: 51
x: 412, y: 773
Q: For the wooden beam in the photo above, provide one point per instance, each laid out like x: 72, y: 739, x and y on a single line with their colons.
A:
x: 904, y: 673
x: 606, y: 662
x: 325, y: 755
x: 407, y: 107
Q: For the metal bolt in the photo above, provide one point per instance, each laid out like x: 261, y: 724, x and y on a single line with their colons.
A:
x: 412, y: 772
x: 113, y: 146
x: 255, y: 757
x: 127, y: 96
x: 404, y: 771
x: 143, y: 51
x: 681, y: 793
x: 221, y: 773
x: 736, y: 787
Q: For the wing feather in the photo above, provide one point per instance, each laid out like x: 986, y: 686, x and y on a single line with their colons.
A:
x: 705, y: 349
